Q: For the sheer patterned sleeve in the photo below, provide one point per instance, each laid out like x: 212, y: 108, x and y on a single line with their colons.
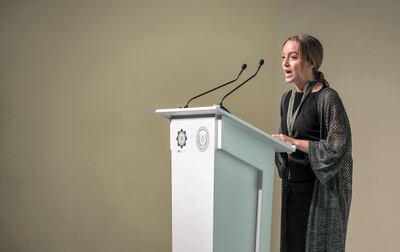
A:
x: 329, y: 155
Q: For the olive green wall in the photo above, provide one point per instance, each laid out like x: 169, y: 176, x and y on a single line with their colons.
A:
x: 84, y: 160
x: 362, y: 63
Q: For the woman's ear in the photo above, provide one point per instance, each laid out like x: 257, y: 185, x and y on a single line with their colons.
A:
x: 310, y: 65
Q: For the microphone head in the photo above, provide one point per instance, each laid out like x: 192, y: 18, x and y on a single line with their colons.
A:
x: 244, y: 66
x: 261, y: 62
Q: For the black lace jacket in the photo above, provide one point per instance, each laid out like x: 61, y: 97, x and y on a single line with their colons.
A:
x: 332, y: 164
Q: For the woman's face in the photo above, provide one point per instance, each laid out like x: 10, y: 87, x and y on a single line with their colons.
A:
x: 291, y: 65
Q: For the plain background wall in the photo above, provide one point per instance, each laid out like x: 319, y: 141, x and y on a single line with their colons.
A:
x: 84, y: 161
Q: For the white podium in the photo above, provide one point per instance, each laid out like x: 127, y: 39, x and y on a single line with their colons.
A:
x: 222, y: 181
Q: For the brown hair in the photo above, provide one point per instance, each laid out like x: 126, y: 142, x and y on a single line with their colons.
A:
x: 310, y: 50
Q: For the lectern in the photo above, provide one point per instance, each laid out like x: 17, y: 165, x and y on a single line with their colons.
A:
x: 222, y: 181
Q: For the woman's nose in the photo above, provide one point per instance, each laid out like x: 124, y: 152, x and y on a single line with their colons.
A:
x: 285, y: 62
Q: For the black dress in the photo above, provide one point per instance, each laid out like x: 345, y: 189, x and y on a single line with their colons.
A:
x: 300, y: 177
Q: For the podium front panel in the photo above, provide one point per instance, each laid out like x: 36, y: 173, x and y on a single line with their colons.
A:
x: 192, y: 157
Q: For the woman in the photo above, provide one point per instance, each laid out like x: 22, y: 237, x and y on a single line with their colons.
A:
x: 317, y: 177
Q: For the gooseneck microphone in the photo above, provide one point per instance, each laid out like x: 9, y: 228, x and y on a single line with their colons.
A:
x: 244, y: 82
x: 220, y: 86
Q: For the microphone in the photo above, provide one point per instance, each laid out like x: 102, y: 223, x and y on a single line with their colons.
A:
x: 244, y: 82
x: 220, y: 86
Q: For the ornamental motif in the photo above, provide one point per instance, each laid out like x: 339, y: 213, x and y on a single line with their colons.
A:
x: 181, y: 138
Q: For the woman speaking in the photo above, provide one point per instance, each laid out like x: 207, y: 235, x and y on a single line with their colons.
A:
x: 317, y: 177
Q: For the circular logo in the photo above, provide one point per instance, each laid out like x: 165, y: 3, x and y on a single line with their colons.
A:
x: 202, y: 139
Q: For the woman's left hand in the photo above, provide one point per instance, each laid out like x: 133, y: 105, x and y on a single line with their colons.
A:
x: 285, y: 138
x: 300, y: 144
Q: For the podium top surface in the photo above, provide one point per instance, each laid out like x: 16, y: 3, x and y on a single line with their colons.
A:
x: 215, y: 110
x: 191, y: 112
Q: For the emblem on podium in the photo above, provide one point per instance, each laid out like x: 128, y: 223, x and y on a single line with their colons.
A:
x: 202, y: 139
x: 181, y: 138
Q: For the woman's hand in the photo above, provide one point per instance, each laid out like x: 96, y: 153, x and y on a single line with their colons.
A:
x: 284, y: 138
x: 300, y: 144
